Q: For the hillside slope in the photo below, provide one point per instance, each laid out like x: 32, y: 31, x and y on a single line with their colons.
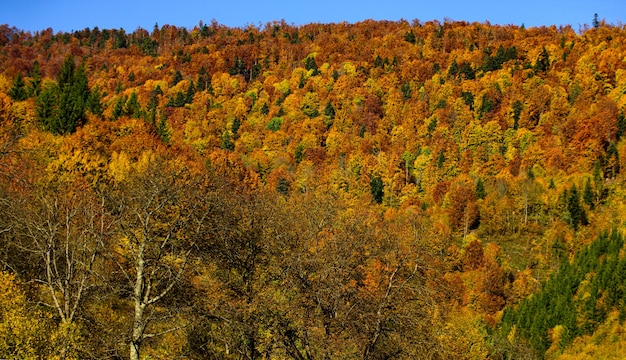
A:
x: 372, y: 190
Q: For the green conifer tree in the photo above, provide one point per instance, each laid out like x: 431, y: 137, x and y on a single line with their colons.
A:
x: 18, y: 90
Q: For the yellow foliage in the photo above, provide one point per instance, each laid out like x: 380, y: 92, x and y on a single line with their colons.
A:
x: 120, y: 166
x: 5, y: 84
x: 607, y: 342
x: 22, y: 330
x: 349, y: 68
x: 464, y: 336
x: 556, y: 335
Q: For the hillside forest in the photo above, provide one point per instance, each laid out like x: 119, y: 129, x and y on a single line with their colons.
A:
x: 376, y: 190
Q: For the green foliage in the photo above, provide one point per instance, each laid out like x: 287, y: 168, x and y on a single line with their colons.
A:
x: 149, y: 46
x: 467, y: 71
x: 410, y: 37
x: 61, y: 108
x: 621, y: 125
x: 94, y: 101
x: 18, y: 90
x: 265, y: 109
x: 274, y: 124
x: 377, y: 188
x: 310, y: 105
x: 227, y: 142
x: 118, y: 108
x: 543, y: 61
x: 612, y: 167
x: 178, y: 77
x: 577, y: 297
x: 179, y: 100
x: 502, y: 55
x: 299, y: 154
x: 236, y: 124
x: 47, y: 105
x: 329, y: 114
x: 441, y: 159
x: 468, y: 99
x: 283, y: 186
x: 132, y: 107
x: 577, y: 215
x: 432, y: 125
x: 595, y: 22
x: 406, y: 90
x: 378, y: 62
x: 517, y: 111
x: 35, y: 81
x: 480, y: 189
x: 310, y: 64
x: 191, y: 91
x: 163, y: 130
x: 453, y: 70
x: 486, y: 106
x: 588, y: 196
x: 204, y: 81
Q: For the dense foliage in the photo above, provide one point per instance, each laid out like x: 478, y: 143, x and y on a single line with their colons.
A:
x: 576, y: 300
x: 373, y: 190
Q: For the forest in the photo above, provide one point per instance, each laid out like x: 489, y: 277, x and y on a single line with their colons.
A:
x: 371, y: 190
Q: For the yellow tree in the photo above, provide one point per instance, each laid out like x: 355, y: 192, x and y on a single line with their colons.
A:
x: 22, y: 330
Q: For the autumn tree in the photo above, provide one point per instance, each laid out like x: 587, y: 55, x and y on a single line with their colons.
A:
x: 23, y: 331
x: 241, y: 308
x: 63, y: 227
x: 160, y: 214
x: 463, y: 211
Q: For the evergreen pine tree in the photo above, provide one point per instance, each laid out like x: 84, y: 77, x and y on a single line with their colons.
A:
x: 441, y: 159
x: 480, y: 189
x: 410, y: 37
x: 406, y: 90
x: 378, y: 62
x: 47, y: 106
x: 162, y: 130
x: 517, y: 111
x: 376, y: 188
x: 132, y: 107
x: 543, y: 62
x: 118, y: 108
x: 265, y: 109
x: 94, y: 102
x: 191, y: 91
x: 612, y: 161
x: 576, y: 212
x: 595, y: 22
x: 178, y: 77
x: 588, y: 196
x: 310, y: 64
x: 61, y: 107
x: 18, y: 90
x: 35, y: 81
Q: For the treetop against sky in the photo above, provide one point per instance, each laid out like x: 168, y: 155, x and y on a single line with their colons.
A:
x: 68, y: 15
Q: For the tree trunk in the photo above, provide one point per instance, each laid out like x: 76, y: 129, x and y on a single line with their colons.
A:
x: 139, y: 321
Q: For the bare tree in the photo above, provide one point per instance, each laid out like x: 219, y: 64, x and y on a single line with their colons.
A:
x: 160, y: 214
x: 63, y: 225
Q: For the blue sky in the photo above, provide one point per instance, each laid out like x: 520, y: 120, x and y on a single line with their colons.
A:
x: 68, y: 15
